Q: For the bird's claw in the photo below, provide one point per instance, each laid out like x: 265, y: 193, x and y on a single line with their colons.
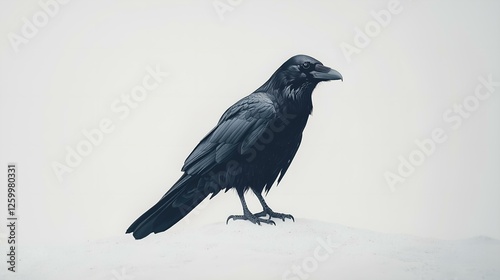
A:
x: 252, y: 218
x: 272, y: 214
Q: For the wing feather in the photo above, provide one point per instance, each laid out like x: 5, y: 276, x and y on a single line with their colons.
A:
x: 238, y: 130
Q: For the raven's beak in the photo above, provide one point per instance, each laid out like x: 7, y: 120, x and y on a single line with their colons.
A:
x: 324, y: 73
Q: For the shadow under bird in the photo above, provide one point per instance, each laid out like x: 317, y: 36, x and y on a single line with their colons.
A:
x: 251, y: 146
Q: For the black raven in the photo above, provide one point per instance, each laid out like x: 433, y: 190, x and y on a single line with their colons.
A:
x: 252, y: 145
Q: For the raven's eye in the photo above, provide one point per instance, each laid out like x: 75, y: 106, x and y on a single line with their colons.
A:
x: 306, y: 65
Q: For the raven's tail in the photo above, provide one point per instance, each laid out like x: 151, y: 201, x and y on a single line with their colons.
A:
x: 183, y: 197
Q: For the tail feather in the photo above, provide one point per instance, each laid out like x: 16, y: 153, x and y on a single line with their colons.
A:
x: 183, y: 197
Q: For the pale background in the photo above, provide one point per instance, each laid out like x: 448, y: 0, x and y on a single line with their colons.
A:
x: 395, y: 91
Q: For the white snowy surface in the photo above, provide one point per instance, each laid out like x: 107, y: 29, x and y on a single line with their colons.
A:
x: 242, y: 250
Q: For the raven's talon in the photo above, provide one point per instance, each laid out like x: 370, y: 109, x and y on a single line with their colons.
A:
x: 229, y: 218
x: 288, y: 216
x: 272, y: 214
x: 267, y: 221
x: 250, y: 217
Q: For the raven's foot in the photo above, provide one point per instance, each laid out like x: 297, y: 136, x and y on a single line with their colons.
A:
x: 250, y: 217
x: 273, y: 214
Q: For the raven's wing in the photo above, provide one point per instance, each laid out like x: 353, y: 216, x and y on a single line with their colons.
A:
x: 237, y: 131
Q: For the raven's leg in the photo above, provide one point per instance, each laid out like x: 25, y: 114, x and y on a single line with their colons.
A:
x: 267, y: 210
x: 247, y: 215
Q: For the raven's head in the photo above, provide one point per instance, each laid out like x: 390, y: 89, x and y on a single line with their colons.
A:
x: 299, y: 74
